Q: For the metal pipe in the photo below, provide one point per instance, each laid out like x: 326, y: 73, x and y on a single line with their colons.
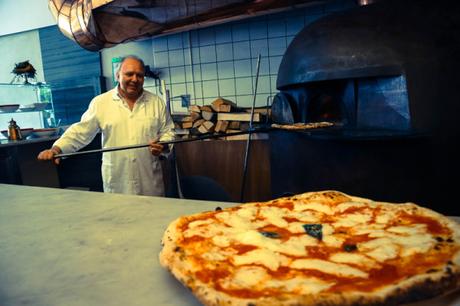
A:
x: 99, y: 24
x: 248, y: 142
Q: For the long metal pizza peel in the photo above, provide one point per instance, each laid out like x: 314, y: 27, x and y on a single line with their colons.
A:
x: 210, y: 136
x: 264, y: 129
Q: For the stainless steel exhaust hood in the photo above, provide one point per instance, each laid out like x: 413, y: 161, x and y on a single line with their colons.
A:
x: 98, y: 24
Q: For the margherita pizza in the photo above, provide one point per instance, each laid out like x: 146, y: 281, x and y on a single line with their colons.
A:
x: 318, y: 248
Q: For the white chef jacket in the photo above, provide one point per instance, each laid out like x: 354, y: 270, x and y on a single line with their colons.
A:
x: 133, y: 171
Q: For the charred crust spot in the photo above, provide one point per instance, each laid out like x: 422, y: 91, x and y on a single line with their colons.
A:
x: 450, y: 240
x: 437, y: 247
x: 439, y: 239
x: 251, y: 304
x: 432, y: 270
x: 426, y: 289
x: 218, y: 208
x: 450, y: 263
x: 177, y: 249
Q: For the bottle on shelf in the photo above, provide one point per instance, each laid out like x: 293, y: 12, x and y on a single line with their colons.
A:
x: 14, y: 132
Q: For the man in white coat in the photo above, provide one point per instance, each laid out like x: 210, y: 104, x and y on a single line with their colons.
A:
x: 125, y: 115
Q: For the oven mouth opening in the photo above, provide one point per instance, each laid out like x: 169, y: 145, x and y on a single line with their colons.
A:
x: 373, y: 103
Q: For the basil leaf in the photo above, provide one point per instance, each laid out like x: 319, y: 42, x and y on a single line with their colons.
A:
x: 314, y: 230
x: 271, y: 234
x: 350, y: 247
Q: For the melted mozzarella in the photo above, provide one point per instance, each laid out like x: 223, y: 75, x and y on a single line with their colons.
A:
x: 235, y: 220
x: 305, y: 217
x: 328, y: 267
x: 296, y: 245
x: 273, y: 215
x: 333, y: 241
x: 419, y: 243
x: 380, y: 249
x: 264, y: 257
x: 197, y: 223
x: 408, y: 230
x: 384, y: 217
x: 247, y: 212
x: 296, y: 227
x: 293, y: 246
x: 215, y: 255
x: 300, y: 285
x: 350, y: 220
x: 353, y: 258
x: 246, y: 277
x: 314, y: 206
x: 373, y: 230
x: 221, y: 240
x: 344, y: 206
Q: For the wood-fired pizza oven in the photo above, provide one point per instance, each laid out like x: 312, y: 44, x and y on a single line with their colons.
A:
x: 386, y: 74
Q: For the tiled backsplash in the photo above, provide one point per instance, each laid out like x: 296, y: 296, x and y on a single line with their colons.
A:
x: 221, y: 60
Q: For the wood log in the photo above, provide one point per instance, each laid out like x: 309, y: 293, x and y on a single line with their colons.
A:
x: 198, y: 123
x: 202, y: 129
x: 221, y: 126
x: 206, y: 108
x: 187, y: 119
x: 195, y: 116
x: 208, y: 115
x: 221, y: 101
x: 234, y: 125
x: 230, y: 131
x: 187, y: 125
x: 194, y: 108
x: 224, y: 108
x: 238, y: 117
x: 209, y: 125
x: 260, y: 110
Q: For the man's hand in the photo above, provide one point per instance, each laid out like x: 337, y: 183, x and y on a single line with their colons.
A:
x: 155, y: 148
x: 49, y: 154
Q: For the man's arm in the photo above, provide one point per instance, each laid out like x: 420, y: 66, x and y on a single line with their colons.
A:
x: 166, y: 133
x: 75, y: 137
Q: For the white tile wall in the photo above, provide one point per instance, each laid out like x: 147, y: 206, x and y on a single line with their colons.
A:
x: 221, y: 60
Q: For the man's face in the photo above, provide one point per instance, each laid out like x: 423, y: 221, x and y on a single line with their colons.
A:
x: 131, y: 78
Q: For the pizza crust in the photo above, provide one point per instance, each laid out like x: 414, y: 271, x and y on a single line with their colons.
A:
x: 434, y: 282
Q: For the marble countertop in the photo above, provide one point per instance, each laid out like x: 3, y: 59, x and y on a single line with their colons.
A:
x: 68, y: 247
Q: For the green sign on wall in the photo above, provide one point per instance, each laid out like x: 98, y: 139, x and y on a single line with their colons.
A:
x: 115, y: 65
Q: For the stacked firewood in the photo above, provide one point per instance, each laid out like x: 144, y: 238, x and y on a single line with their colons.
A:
x: 222, y: 116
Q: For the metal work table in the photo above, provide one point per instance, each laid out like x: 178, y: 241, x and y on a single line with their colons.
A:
x: 68, y: 247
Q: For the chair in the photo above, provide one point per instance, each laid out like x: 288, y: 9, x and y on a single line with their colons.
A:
x: 198, y: 187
